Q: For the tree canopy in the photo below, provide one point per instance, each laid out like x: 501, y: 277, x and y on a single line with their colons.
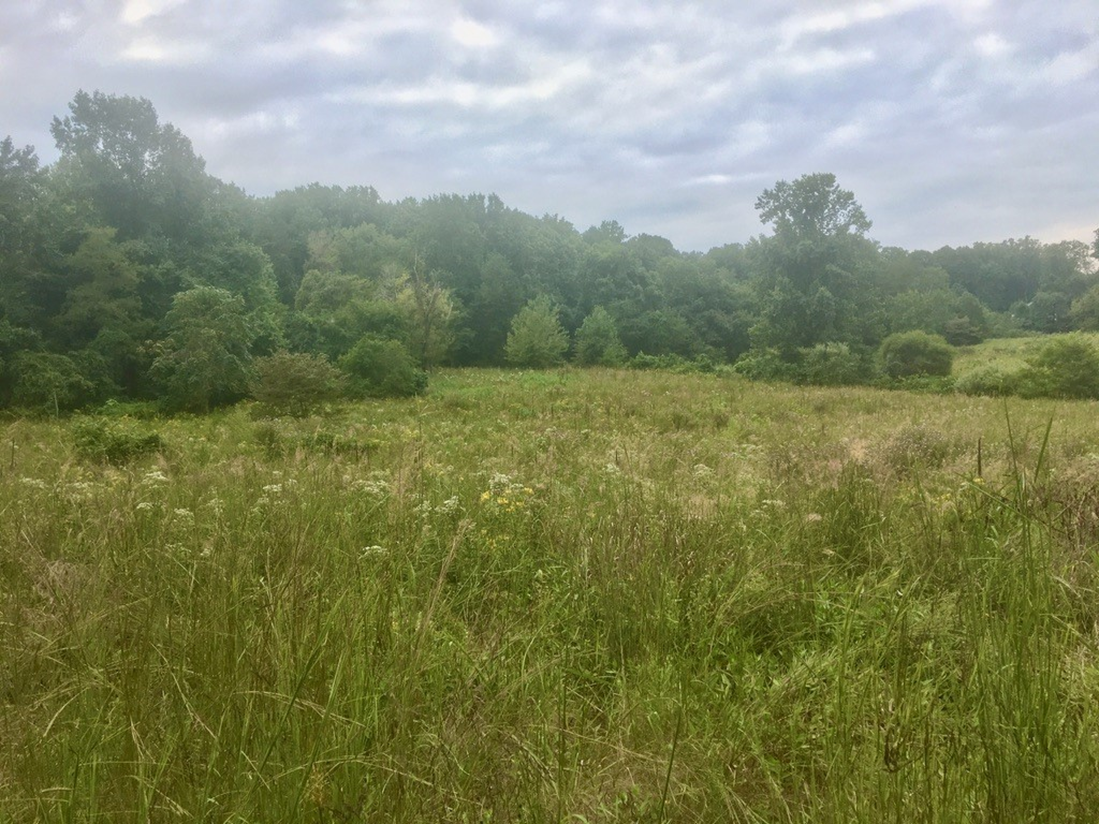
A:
x: 128, y: 271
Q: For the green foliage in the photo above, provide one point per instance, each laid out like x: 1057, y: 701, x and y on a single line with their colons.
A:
x: 597, y: 342
x: 379, y: 368
x: 1067, y: 367
x: 95, y: 248
x: 1084, y: 313
x: 48, y: 382
x: 432, y: 316
x: 537, y: 340
x: 990, y: 380
x: 765, y: 364
x: 205, y: 360
x: 295, y: 383
x: 114, y: 440
x: 832, y: 364
x: 811, y: 208
x: 908, y: 354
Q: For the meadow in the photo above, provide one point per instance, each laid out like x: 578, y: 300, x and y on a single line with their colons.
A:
x: 1007, y: 354
x: 588, y: 596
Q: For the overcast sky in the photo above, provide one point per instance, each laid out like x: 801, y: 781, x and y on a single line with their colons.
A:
x: 953, y: 121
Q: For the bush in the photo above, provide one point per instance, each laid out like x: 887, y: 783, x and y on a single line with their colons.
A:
x: 1067, y: 367
x: 597, y: 341
x: 831, y: 364
x: 907, y: 354
x: 113, y: 440
x: 295, y: 383
x: 536, y: 339
x: 765, y: 365
x: 48, y: 382
x: 382, y: 369
x: 988, y: 380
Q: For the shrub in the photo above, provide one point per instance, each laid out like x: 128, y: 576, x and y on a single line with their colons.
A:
x: 382, y: 369
x: 988, y: 380
x: 295, y: 383
x: 597, y: 342
x: 765, y: 365
x: 537, y: 338
x: 906, y: 354
x: 1067, y: 367
x: 113, y: 440
x: 831, y: 364
x: 48, y: 382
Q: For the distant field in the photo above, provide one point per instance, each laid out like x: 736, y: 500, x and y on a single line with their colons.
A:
x: 1009, y: 354
x: 558, y: 596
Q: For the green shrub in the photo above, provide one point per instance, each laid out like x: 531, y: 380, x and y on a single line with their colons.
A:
x: 382, y: 369
x: 113, y: 440
x: 765, y: 365
x: 1067, y: 367
x: 989, y: 380
x: 537, y: 339
x: 295, y: 383
x: 597, y: 341
x: 906, y: 354
x: 48, y: 382
x: 831, y: 364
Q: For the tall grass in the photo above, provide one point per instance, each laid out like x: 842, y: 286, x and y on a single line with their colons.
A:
x: 557, y: 597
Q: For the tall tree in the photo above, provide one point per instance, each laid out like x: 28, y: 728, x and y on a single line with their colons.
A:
x: 206, y: 359
x: 142, y: 177
x: 814, y: 283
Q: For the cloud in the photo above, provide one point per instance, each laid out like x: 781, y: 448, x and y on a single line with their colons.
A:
x: 952, y: 120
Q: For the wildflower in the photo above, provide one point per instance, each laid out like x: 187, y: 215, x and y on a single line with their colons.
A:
x: 155, y: 477
x: 143, y: 506
x: 34, y: 483
x: 486, y: 496
x: 449, y: 506
x: 273, y: 489
x: 373, y: 551
x: 814, y: 518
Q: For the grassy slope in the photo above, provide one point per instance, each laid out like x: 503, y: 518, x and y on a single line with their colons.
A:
x: 1008, y: 354
x: 529, y: 596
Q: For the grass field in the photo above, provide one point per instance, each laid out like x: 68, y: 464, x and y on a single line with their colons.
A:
x: 547, y: 597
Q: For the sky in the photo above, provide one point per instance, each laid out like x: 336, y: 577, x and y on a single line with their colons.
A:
x: 952, y: 121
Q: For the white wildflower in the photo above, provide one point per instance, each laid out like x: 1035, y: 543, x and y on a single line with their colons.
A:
x: 449, y: 506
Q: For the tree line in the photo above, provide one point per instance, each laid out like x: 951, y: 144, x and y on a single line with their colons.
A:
x: 128, y: 272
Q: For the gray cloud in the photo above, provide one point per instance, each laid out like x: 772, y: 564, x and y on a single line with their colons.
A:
x: 952, y: 120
